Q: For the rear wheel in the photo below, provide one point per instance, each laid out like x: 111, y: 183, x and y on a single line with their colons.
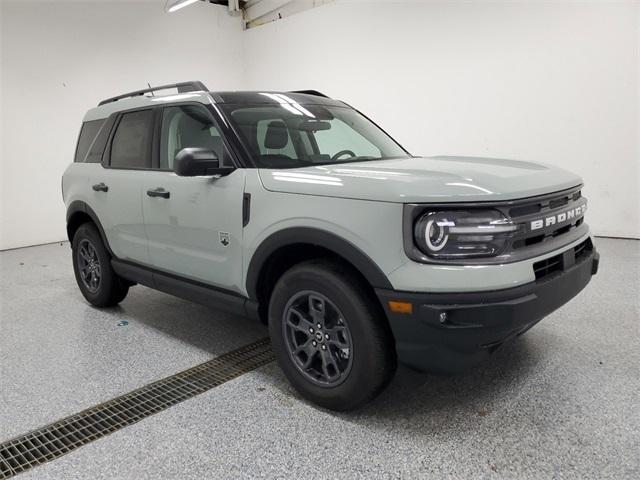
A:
x: 96, y: 279
x: 330, y: 336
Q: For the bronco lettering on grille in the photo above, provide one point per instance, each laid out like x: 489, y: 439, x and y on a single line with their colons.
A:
x: 559, y: 218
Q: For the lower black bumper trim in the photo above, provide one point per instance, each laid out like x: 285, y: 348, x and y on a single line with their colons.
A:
x: 447, y: 332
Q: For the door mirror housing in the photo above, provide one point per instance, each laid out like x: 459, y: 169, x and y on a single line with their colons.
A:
x: 196, y: 162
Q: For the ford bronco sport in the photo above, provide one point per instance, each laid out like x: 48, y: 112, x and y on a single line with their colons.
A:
x: 298, y: 210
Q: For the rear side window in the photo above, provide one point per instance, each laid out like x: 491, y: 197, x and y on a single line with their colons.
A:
x: 88, y: 134
x: 131, y: 145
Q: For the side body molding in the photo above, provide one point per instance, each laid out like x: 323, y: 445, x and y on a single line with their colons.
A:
x: 319, y: 238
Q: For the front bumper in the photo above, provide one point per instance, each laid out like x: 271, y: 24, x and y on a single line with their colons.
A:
x: 449, y: 332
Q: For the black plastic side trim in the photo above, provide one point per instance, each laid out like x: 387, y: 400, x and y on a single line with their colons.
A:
x: 246, y: 209
x: 133, y: 273
x: 187, y: 289
x: 80, y: 206
x: 321, y: 238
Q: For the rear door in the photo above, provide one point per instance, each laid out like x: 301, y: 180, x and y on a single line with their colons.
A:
x: 116, y: 185
x: 194, y: 224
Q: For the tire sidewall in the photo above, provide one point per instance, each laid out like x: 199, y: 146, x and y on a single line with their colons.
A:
x: 359, y: 317
x: 105, y: 291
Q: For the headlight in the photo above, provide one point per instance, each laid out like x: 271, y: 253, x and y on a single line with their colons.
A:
x: 462, y: 233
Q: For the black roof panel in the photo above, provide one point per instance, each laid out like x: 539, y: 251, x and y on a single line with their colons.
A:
x: 257, y: 97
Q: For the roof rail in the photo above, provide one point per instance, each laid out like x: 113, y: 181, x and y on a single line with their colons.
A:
x: 311, y: 92
x: 182, y: 87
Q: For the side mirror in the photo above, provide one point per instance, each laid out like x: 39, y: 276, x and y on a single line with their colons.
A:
x: 195, y: 162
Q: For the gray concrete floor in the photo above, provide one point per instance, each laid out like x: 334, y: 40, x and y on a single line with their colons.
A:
x: 563, y: 401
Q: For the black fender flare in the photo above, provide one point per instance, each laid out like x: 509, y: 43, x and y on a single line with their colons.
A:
x: 317, y: 237
x: 80, y: 206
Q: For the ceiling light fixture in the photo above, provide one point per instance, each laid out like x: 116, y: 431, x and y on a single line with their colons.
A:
x: 174, y: 5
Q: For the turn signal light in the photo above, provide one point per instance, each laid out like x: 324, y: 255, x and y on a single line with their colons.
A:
x: 400, y: 307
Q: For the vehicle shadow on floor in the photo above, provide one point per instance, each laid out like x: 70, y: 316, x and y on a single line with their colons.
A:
x: 439, y: 400
x: 422, y: 403
x: 497, y: 378
x: 206, y: 329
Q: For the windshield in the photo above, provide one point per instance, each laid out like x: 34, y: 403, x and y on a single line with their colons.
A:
x: 290, y: 135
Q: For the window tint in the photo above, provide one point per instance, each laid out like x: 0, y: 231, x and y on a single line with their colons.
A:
x: 88, y: 134
x: 131, y: 147
x: 186, y: 126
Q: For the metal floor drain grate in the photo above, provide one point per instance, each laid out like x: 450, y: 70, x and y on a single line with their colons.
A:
x: 61, y: 437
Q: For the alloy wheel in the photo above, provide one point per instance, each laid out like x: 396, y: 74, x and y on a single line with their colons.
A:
x: 317, y: 338
x: 89, y: 266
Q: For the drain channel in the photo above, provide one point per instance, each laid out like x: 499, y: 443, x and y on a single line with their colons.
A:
x: 61, y: 437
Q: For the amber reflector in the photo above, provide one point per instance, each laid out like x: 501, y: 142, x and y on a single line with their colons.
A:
x: 400, y: 307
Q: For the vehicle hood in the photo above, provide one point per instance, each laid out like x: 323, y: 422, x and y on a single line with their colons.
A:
x: 423, y: 179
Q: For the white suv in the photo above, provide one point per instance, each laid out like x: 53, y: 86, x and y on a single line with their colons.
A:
x: 298, y: 210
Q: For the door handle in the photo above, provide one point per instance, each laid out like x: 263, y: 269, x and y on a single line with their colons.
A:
x: 158, y: 192
x: 100, y: 187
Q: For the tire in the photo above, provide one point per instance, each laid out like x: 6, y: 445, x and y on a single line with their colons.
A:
x: 90, y: 255
x: 353, y: 357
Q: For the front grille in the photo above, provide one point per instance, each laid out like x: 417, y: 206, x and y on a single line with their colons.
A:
x: 547, y: 267
x: 540, y: 209
x: 553, y: 265
x: 545, y: 204
x: 64, y: 436
x: 558, y: 202
x: 523, y: 210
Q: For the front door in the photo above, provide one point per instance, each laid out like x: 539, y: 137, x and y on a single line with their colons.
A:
x: 194, y: 224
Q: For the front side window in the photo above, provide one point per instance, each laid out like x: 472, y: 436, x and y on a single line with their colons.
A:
x: 131, y: 145
x: 186, y: 126
x: 289, y: 135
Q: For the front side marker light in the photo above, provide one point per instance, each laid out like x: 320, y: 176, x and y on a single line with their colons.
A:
x: 397, y: 306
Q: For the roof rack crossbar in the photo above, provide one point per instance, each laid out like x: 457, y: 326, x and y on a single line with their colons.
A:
x: 310, y: 92
x: 182, y: 87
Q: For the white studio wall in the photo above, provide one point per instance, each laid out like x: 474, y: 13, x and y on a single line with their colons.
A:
x: 556, y: 82
x: 61, y: 58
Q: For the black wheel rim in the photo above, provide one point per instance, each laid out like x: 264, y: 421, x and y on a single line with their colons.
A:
x: 317, y: 338
x: 89, y: 266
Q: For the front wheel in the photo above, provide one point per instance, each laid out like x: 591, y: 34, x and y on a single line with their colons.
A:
x: 330, y: 336
x: 96, y: 279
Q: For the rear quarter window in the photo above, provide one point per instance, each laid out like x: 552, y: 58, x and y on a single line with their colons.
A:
x: 88, y: 134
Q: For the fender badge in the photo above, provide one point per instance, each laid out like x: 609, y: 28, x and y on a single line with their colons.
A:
x: 224, y: 238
